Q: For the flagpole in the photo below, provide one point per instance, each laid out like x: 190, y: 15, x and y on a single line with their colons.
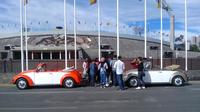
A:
x: 99, y: 30
x: 21, y: 34
x: 75, y: 51
x: 186, y: 45
x: 26, y: 35
x: 117, y: 28
x: 145, y: 28
x: 161, y: 36
x: 65, y: 33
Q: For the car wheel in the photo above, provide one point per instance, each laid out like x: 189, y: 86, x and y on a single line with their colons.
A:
x: 133, y: 82
x: 22, y: 84
x: 68, y: 83
x: 177, y: 81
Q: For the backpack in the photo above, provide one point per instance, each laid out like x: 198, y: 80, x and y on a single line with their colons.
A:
x: 102, y: 67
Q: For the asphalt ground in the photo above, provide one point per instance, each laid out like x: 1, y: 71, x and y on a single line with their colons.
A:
x: 162, y: 98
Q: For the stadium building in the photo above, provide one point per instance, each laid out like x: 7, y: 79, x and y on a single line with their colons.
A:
x: 50, y: 46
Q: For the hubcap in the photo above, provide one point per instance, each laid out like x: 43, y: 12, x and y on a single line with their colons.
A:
x: 178, y: 81
x: 133, y: 82
x: 69, y: 83
x: 22, y: 84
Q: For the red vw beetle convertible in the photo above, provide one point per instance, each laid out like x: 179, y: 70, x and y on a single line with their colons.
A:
x: 68, y: 77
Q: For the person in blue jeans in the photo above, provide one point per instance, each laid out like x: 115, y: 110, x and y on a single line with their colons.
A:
x: 120, y: 67
x: 141, y: 74
x: 103, y: 66
x: 114, y: 75
x: 92, y: 72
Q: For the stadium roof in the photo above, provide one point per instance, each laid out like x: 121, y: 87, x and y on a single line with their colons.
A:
x: 105, y: 34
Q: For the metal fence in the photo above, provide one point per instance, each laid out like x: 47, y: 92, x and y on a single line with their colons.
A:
x: 14, y: 66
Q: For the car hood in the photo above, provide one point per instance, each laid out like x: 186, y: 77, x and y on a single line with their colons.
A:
x: 68, y: 69
x: 130, y: 71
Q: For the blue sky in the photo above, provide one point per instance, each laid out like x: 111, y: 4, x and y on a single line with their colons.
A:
x: 45, y: 15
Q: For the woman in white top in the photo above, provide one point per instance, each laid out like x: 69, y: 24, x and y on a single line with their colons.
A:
x: 85, y: 68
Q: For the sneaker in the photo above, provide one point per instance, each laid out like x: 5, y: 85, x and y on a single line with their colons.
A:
x: 122, y: 89
x: 143, y: 87
x: 138, y: 88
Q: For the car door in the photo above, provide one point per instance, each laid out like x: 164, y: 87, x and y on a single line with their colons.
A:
x: 147, y: 77
x: 158, y: 76
x: 57, y: 77
x: 43, y: 78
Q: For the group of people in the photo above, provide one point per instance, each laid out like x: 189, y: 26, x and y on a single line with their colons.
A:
x: 109, y: 72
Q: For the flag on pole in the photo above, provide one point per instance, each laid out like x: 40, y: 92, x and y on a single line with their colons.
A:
x: 108, y: 23
x: 165, y: 6
x: 158, y: 4
x: 26, y: 2
x: 93, y: 2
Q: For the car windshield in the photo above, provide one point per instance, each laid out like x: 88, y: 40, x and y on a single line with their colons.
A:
x: 147, y: 65
x: 41, y: 67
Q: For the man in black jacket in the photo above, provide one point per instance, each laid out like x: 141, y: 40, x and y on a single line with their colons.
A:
x: 141, y: 83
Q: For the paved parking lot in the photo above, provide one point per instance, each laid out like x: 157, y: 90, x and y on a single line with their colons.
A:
x: 163, y: 98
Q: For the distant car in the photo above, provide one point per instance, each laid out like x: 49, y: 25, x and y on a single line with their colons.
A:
x: 174, y: 77
x: 68, y: 78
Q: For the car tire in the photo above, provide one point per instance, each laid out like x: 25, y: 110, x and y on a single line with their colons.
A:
x: 68, y: 83
x: 177, y: 81
x: 133, y: 82
x: 22, y: 84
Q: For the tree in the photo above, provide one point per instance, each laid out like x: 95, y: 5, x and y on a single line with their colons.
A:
x: 194, y: 48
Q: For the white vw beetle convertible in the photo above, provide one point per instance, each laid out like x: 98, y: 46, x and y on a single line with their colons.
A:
x: 166, y: 76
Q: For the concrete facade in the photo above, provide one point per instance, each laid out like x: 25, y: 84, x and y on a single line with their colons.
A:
x: 87, y: 42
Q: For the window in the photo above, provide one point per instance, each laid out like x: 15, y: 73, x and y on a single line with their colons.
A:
x: 16, y: 55
x: 154, y: 47
x: 72, y: 53
x: 4, y: 55
x: 29, y: 55
x: 37, y: 55
x: 56, y: 55
x: 46, y: 55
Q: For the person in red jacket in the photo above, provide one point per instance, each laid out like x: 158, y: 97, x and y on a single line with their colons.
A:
x: 135, y: 63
